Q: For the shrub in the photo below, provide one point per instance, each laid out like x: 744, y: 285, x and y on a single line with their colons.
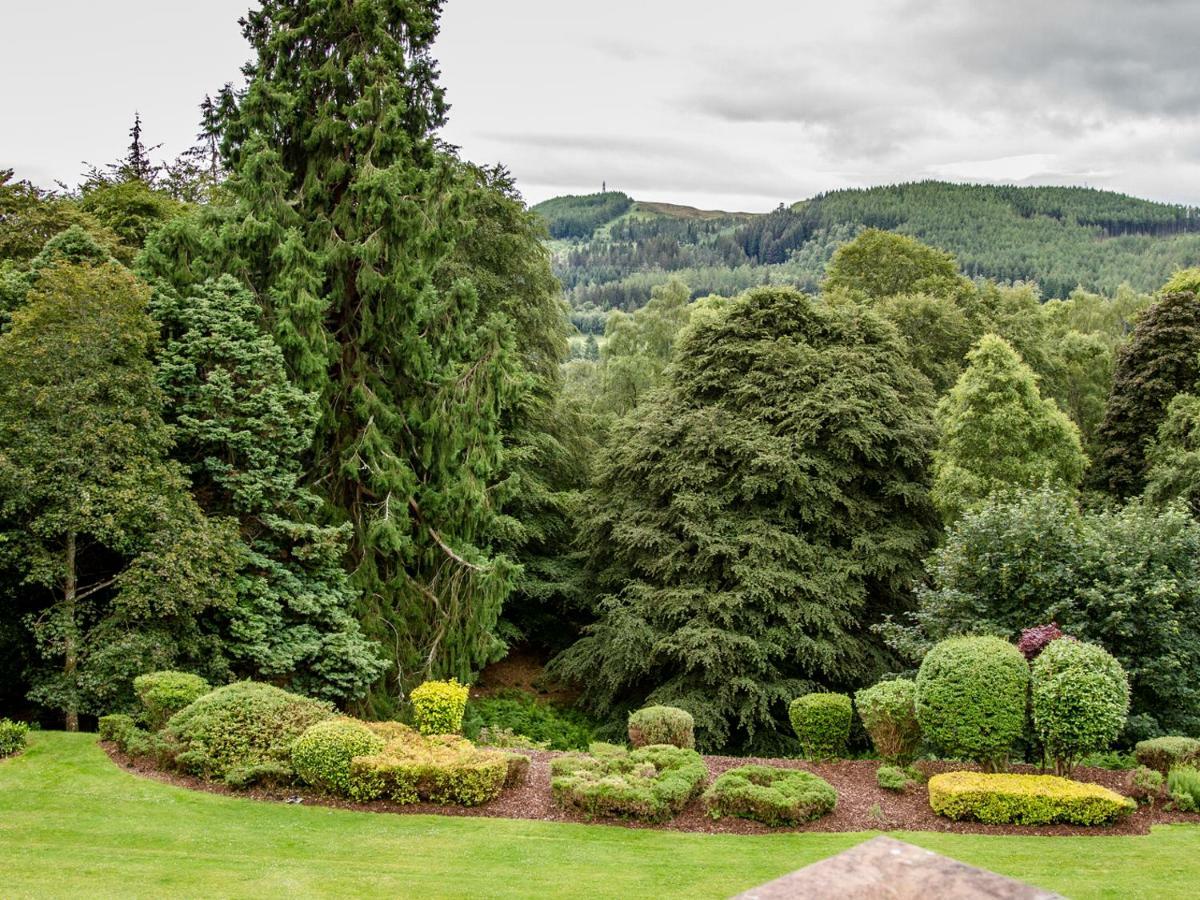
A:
x: 1183, y: 784
x: 116, y: 728
x: 321, y: 756
x: 1165, y: 753
x: 889, y: 714
x: 770, y: 795
x: 507, y: 739
x: 518, y: 769
x: 243, y: 730
x: 971, y: 696
x: 662, y: 725
x: 441, y: 768
x: 892, y: 778
x: 1024, y: 799
x: 1034, y: 640
x: 12, y: 737
x: 557, y: 727
x: 651, y: 783
x: 163, y: 694
x: 1080, y: 699
x: 438, y: 706
x: 822, y: 722
x: 1145, y: 784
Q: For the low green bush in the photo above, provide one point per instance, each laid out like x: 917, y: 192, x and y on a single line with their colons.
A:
x: 116, y: 728
x: 651, y: 783
x: 1183, y: 786
x: 1114, y: 760
x: 822, y: 723
x: 438, y: 706
x: 557, y: 727
x: 1079, y: 699
x: 439, y: 768
x: 321, y: 755
x: 518, y: 769
x: 507, y: 739
x: 12, y: 737
x: 889, y: 714
x: 1001, y: 799
x: 1145, y: 784
x: 771, y: 795
x: 662, y: 725
x: 1165, y: 753
x: 242, y: 732
x: 892, y: 778
x: 971, y: 699
x: 163, y: 694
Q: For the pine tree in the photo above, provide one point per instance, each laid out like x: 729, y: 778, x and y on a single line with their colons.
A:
x: 756, y: 516
x: 997, y: 432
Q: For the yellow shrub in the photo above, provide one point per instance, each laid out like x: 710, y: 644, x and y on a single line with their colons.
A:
x: 438, y: 706
x: 436, y: 768
x: 1024, y: 799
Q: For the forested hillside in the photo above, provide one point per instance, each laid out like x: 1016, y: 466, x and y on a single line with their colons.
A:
x: 609, y: 250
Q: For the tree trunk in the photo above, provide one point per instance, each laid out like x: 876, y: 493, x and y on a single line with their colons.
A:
x: 70, y: 641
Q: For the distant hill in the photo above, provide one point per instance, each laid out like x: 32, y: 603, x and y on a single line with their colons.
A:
x: 610, y: 249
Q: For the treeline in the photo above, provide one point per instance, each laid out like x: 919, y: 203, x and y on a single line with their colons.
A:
x: 577, y: 217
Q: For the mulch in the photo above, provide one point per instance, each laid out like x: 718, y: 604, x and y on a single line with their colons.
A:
x: 862, y: 805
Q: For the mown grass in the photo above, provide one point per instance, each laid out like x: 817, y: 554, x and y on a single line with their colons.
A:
x: 73, y: 824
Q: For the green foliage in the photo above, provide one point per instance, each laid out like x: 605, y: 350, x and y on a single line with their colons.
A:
x: 937, y: 331
x: 970, y: 699
x: 1024, y: 799
x: 892, y: 778
x: 822, y: 723
x: 241, y: 731
x: 438, y: 706
x: 1161, y: 360
x: 162, y: 694
x: 889, y: 714
x: 1165, y: 753
x: 12, y: 737
x: 1145, y: 785
x: 132, y: 210
x: 755, y: 517
x: 651, y: 783
x: 558, y: 727
x: 1183, y: 786
x: 881, y: 264
x: 321, y: 755
x: 129, y: 738
x: 580, y: 216
x: 997, y: 433
x: 661, y: 725
x: 1127, y: 579
x: 1173, y: 458
x: 507, y: 739
x: 770, y: 795
x: 1080, y: 699
x: 438, y: 768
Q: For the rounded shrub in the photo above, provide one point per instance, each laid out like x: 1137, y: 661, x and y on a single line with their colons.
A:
x: 889, y: 714
x: 822, y: 723
x: 652, y: 783
x: 771, y: 795
x: 971, y: 697
x: 163, y: 694
x: 438, y: 706
x: 321, y: 756
x: 12, y: 737
x: 242, y: 732
x: 1165, y: 753
x: 662, y: 725
x: 891, y: 778
x: 1080, y: 699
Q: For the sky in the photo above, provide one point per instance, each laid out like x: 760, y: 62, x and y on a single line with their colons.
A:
x: 723, y: 106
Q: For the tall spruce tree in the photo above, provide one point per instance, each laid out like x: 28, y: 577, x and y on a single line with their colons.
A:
x: 756, y: 516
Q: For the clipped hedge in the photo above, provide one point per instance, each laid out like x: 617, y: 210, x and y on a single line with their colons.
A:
x: 12, y: 737
x: 1002, y: 799
x: 440, y: 768
x: 163, y: 694
x: 242, y: 732
x: 971, y: 698
x: 1165, y: 753
x: 322, y: 755
x: 771, y: 795
x: 662, y: 725
x: 822, y: 723
x: 651, y: 783
x: 889, y: 714
x: 438, y: 706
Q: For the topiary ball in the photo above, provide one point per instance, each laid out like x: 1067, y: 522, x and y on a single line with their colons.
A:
x: 662, y: 725
x: 822, y: 723
x: 322, y: 755
x: 889, y: 714
x: 970, y: 701
x: 439, y: 706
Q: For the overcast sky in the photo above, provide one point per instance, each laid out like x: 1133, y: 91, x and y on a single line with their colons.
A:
x: 733, y: 105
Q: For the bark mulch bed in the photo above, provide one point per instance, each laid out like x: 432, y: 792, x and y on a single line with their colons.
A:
x: 862, y: 805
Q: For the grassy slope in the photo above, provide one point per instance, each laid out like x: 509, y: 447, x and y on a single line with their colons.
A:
x: 72, y: 824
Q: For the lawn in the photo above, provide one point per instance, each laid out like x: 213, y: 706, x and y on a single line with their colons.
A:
x: 73, y: 824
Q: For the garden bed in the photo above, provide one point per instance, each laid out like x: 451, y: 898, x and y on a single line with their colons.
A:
x: 862, y: 805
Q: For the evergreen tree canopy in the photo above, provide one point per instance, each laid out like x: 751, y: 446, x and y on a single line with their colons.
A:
x: 756, y: 516
x: 1161, y: 359
x: 1174, y: 456
x: 997, y: 432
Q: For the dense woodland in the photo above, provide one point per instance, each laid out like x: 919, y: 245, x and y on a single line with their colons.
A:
x: 299, y: 407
